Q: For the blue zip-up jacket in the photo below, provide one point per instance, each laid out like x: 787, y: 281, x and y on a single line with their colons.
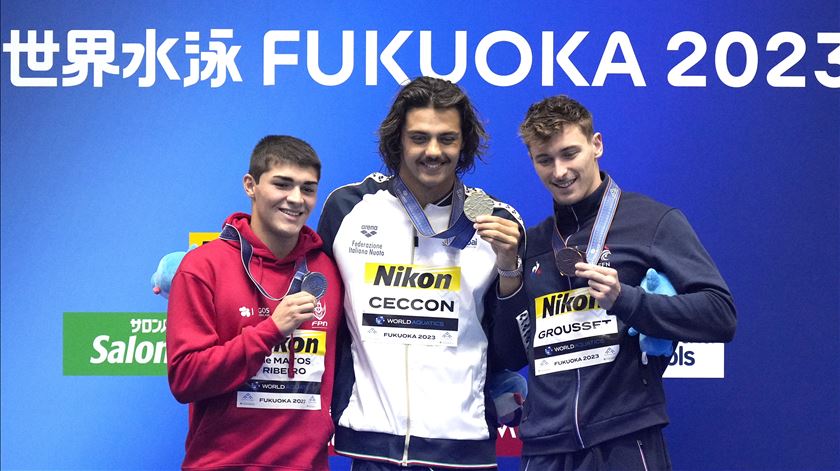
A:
x: 580, y: 407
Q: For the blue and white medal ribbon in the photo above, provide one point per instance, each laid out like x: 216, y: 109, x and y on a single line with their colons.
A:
x: 565, y: 257
x: 460, y: 230
x: 312, y: 282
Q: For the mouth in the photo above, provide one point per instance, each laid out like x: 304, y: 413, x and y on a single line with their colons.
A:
x: 433, y: 164
x: 564, y: 184
x: 291, y: 212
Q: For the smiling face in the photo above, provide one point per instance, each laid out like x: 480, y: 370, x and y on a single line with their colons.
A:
x: 431, y: 144
x: 567, y: 164
x: 281, y: 203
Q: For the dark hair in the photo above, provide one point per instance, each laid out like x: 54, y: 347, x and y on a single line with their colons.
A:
x: 439, y: 94
x: 282, y: 149
x: 549, y: 116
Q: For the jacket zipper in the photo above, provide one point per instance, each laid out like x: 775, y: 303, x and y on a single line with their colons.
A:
x: 407, y: 412
x: 642, y: 454
x: 577, y: 389
x: 415, y: 243
x: 577, y: 400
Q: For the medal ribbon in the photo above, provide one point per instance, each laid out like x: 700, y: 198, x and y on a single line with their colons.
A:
x: 603, y: 221
x: 460, y: 230
x: 246, y: 251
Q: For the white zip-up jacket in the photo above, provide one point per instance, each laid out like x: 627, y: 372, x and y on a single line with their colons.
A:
x: 410, y: 384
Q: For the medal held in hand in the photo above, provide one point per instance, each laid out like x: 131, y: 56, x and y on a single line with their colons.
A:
x: 315, y: 284
x: 477, y: 204
x: 566, y: 258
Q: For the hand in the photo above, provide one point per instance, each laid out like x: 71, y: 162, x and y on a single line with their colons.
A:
x: 503, y: 236
x: 603, y: 283
x: 292, y: 311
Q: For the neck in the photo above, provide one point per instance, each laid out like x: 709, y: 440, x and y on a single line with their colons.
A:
x: 424, y: 195
x: 278, y: 245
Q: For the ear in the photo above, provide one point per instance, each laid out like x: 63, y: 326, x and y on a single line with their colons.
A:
x: 249, y: 184
x: 598, y: 144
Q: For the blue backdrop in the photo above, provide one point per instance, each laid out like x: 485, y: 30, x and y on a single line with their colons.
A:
x: 99, y: 181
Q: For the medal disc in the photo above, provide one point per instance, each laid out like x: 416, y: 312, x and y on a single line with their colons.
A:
x: 314, y: 283
x: 566, y: 259
x: 477, y: 204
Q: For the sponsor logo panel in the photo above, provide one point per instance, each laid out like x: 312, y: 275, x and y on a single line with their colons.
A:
x: 114, y: 344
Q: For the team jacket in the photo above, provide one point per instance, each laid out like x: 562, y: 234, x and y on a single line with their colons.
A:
x: 422, y: 403
x: 228, y: 360
x: 612, y: 394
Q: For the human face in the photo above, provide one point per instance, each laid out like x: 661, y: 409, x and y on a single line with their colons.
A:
x: 567, y: 164
x: 431, y: 144
x: 281, y: 202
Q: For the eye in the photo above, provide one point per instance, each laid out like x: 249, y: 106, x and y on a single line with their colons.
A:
x: 282, y: 185
x: 309, y: 190
x: 448, y: 140
x: 419, y: 139
x: 571, y: 154
x: 544, y: 161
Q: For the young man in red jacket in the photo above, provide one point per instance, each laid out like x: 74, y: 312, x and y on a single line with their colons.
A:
x: 251, y: 325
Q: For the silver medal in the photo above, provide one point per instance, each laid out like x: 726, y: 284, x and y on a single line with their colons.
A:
x: 477, y: 204
x: 314, y: 283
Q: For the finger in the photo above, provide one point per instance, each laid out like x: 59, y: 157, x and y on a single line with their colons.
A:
x: 602, y: 275
x: 306, y: 307
x: 599, y: 288
x: 498, y: 238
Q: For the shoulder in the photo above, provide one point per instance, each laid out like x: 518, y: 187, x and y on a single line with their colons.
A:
x: 640, y: 204
x: 350, y: 194
x: 206, y: 255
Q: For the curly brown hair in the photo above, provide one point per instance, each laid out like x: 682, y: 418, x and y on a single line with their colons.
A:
x: 432, y: 92
x: 549, y: 116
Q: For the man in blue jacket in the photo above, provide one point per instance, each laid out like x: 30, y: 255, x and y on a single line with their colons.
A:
x: 593, y: 403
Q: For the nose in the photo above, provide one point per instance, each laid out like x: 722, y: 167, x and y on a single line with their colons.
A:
x: 560, y: 170
x: 295, y: 195
x: 433, y: 149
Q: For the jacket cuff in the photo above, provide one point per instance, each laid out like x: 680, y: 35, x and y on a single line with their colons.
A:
x: 626, y: 303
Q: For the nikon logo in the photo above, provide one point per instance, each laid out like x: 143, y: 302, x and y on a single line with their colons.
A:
x: 565, y: 302
x: 413, y: 276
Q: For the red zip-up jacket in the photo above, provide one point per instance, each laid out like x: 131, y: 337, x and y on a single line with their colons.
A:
x: 228, y: 360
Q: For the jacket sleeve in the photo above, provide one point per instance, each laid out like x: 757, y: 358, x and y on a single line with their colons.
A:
x: 200, y: 366
x: 509, y: 317
x: 703, y: 309
x: 329, y: 223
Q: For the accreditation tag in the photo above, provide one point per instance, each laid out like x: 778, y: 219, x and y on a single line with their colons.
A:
x: 410, y: 304
x: 572, y: 331
x: 272, y: 388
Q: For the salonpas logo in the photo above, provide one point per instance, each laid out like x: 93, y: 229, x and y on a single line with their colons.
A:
x: 114, y: 344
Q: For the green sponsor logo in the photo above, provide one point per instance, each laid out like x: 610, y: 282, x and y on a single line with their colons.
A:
x: 114, y: 343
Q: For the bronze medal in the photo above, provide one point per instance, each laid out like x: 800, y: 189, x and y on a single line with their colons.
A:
x: 566, y: 258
